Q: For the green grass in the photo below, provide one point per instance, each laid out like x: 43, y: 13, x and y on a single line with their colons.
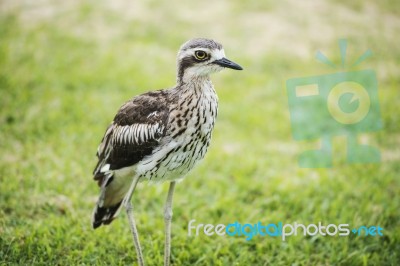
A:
x: 65, y: 72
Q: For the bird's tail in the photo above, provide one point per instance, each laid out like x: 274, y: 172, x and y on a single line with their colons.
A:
x: 113, y: 191
x: 105, y: 215
x: 108, y: 204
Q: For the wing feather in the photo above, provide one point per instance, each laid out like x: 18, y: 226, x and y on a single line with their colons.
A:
x: 134, y: 133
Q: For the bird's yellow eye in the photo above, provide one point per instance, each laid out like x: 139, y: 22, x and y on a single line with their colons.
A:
x: 200, y: 55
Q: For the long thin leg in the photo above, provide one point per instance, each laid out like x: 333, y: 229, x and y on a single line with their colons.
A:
x: 167, y: 221
x: 129, y: 211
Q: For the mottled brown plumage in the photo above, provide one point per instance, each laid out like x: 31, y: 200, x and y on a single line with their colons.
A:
x: 160, y: 135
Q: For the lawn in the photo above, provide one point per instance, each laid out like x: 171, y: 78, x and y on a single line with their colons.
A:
x: 65, y: 69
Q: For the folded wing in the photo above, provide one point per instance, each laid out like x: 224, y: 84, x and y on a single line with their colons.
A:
x: 134, y: 133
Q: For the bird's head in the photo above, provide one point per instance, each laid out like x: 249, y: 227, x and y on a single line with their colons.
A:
x: 201, y: 57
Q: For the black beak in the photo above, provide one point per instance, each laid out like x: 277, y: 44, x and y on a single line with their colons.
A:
x: 227, y: 63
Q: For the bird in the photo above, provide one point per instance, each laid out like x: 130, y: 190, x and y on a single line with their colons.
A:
x: 159, y: 136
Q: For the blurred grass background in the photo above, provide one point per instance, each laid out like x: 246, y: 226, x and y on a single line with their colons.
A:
x: 67, y: 66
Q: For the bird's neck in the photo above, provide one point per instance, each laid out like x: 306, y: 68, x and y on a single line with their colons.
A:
x: 195, y: 85
x: 186, y: 79
x: 197, y: 95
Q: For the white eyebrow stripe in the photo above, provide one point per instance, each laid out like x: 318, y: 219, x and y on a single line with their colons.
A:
x: 218, y: 54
